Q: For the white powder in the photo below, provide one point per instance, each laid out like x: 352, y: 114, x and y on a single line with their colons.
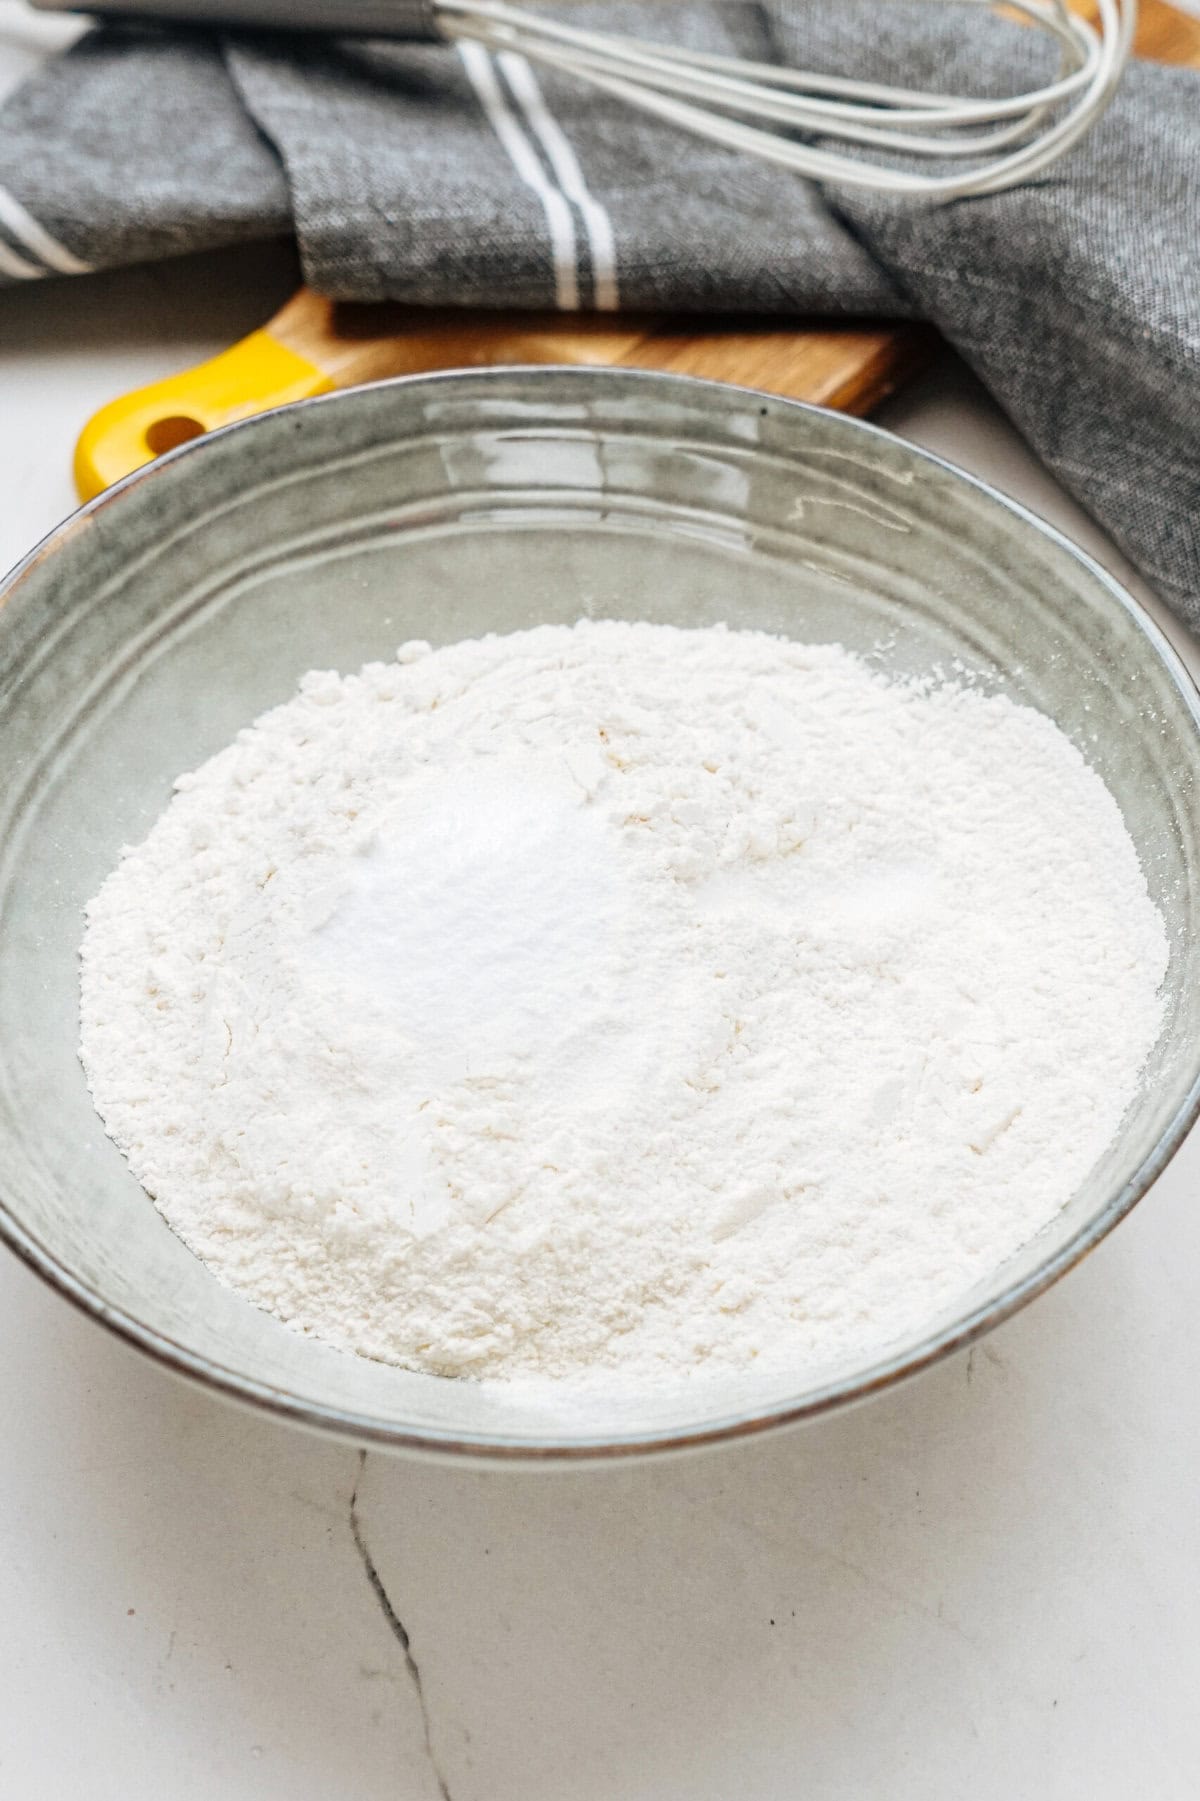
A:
x: 621, y: 998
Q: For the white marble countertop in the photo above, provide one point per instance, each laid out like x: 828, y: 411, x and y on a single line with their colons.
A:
x: 981, y: 1585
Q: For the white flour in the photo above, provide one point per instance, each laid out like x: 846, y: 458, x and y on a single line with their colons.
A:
x: 621, y: 997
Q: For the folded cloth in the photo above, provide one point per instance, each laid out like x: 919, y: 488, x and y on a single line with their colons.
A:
x: 448, y: 176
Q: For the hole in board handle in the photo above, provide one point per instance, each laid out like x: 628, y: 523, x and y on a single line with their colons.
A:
x: 165, y: 434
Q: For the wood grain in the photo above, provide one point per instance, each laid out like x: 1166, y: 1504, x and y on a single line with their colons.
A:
x: 849, y: 366
x: 1164, y: 34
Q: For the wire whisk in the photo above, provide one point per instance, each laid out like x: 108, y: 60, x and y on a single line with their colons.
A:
x: 729, y: 101
x: 758, y: 108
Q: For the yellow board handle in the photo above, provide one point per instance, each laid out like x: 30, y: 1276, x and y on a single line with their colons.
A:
x: 257, y: 373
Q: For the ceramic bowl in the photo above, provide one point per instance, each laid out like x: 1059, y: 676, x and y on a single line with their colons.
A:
x: 155, y: 623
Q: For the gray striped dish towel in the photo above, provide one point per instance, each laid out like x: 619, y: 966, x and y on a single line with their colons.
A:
x: 447, y: 177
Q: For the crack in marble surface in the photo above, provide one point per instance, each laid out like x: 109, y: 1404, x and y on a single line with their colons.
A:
x: 396, y: 1627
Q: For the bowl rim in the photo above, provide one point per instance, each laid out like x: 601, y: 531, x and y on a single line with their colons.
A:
x: 885, y: 1372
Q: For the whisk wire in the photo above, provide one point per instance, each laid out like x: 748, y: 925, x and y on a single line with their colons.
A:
x: 729, y: 102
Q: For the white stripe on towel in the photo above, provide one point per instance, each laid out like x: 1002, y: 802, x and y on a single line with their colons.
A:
x: 34, y: 237
x: 524, y: 159
x: 15, y: 266
x: 569, y: 175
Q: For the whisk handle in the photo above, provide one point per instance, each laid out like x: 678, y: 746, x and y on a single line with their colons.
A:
x: 407, y: 19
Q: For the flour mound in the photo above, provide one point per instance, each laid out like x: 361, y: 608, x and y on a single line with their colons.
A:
x: 621, y: 998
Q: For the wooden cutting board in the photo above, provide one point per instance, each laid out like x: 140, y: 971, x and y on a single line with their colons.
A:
x: 314, y: 345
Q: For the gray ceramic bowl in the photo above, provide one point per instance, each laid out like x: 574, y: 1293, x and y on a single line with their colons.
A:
x: 145, y: 631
